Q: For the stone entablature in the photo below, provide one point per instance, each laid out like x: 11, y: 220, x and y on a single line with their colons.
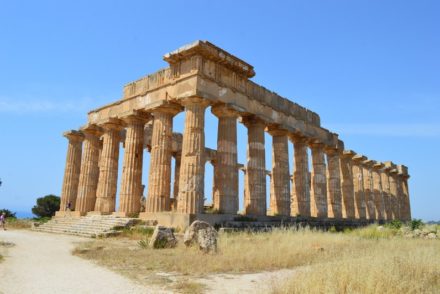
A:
x: 339, y: 185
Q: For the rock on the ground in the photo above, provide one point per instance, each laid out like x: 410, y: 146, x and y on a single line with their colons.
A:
x: 202, y: 234
x: 163, y: 237
x: 431, y: 236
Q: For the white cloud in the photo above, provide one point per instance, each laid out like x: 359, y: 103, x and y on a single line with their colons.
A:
x: 389, y: 130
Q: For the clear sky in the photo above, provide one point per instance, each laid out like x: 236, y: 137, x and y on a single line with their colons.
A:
x: 370, y: 69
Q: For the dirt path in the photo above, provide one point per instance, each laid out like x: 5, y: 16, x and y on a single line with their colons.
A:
x: 42, y: 263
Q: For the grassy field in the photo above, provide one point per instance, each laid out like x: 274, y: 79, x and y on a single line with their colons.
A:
x: 361, y: 261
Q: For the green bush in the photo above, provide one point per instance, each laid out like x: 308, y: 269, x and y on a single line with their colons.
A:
x: 46, y: 206
x: 394, y: 224
x: 416, y: 224
x: 8, y: 213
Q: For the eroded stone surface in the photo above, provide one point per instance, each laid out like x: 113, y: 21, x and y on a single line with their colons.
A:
x: 202, y: 234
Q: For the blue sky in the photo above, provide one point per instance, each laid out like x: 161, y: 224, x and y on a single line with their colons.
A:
x: 371, y: 69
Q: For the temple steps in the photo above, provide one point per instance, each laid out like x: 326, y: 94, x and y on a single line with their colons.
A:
x: 86, y: 226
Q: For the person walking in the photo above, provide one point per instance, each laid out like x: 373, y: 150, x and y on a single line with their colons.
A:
x: 3, y: 221
x: 68, y: 208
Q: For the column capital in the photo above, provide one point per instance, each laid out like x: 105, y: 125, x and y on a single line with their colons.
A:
x: 91, y: 129
x: 136, y: 117
x: 359, y: 158
x: 223, y: 110
x: 377, y: 165
x: 349, y: 154
x: 368, y: 163
x: 313, y: 144
x: 297, y: 138
x: 74, y: 136
x: 403, y: 171
x: 112, y: 124
x: 252, y: 120
x: 169, y: 107
x: 275, y: 130
x: 194, y: 100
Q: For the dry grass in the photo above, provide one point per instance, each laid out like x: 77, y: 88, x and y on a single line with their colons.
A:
x: 360, y: 261
x: 18, y: 223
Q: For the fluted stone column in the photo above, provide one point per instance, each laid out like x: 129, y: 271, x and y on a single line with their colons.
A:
x: 300, y: 196
x: 280, y: 177
x: 395, y: 205
x: 88, y: 178
x: 368, y: 189
x: 255, y: 197
x: 348, y: 207
x: 108, y: 169
x: 378, y: 190
x: 358, y: 185
x: 159, y: 181
x: 404, y: 176
x: 72, y: 169
x: 131, y: 184
x: 334, y: 183
x: 192, y: 169
x: 177, y: 159
x: 225, y: 190
x: 318, y: 192
x: 386, y: 192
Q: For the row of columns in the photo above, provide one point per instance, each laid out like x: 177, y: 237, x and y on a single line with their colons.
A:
x: 340, y: 184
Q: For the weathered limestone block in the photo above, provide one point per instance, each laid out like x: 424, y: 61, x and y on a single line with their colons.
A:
x: 368, y: 189
x: 131, y: 183
x: 386, y: 192
x: 300, y: 196
x: 348, y: 207
x: 192, y: 169
x: 72, y: 169
x: 225, y: 190
x: 378, y: 190
x: 334, y: 183
x: 159, y: 181
x: 162, y: 237
x: 280, y: 177
x: 88, y: 179
x: 202, y: 234
x: 358, y: 185
x: 108, y: 169
x: 255, y: 181
x: 318, y: 192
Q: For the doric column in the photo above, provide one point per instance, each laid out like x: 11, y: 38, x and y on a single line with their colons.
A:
x: 368, y: 189
x: 131, y: 183
x: 255, y: 197
x: 358, y: 185
x: 88, y: 178
x: 177, y: 159
x: 378, y: 190
x: 159, y: 180
x: 108, y: 167
x: 392, y: 176
x: 318, y: 192
x: 404, y: 176
x: 72, y: 169
x: 348, y: 207
x: 334, y: 183
x: 280, y: 177
x: 225, y: 190
x: 300, y: 195
x: 192, y: 169
x: 386, y: 192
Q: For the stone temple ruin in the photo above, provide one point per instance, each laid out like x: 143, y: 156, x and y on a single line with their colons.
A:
x: 341, y: 184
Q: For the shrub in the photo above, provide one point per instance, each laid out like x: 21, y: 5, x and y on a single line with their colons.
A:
x: 8, y: 213
x: 394, y: 224
x: 46, y: 206
x: 416, y: 224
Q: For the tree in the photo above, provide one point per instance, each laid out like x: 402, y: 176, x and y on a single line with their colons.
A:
x: 8, y: 213
x: 46, y: 206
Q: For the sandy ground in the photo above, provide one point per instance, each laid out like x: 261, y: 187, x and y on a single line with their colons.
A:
x: 42, y: 263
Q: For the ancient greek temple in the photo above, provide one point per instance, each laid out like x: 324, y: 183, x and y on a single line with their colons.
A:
x: 328, y: 182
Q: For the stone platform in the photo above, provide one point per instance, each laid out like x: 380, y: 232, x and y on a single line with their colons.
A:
x: 182, y: 220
